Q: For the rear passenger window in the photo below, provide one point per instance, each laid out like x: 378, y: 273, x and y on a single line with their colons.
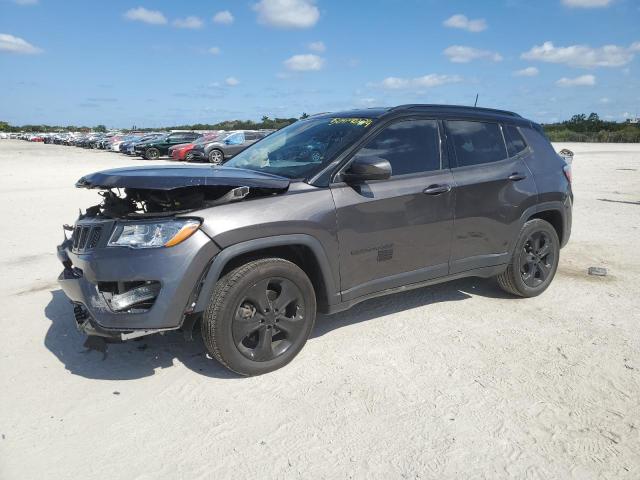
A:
x: 476, y: 143
x: 515, y: 142
x: 410, y: 146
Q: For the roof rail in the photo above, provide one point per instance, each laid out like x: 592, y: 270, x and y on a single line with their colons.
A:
x: 455, y: 107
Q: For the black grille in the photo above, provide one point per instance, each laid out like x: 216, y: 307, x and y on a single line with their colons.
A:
x: 95, y: 237
x: 86, y: 237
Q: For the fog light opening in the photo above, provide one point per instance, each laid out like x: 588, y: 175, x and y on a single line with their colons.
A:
x: 130, y: 296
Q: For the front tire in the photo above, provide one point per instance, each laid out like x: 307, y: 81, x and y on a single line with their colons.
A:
x: 534, y: 262
x: 260, y: 316
x: 188, y: 157
x: 216, y: 157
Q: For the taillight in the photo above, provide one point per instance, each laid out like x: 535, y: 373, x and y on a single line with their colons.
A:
x: 567, y: 172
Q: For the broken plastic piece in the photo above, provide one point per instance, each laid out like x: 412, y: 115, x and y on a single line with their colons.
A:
x: 597, y: 271
x: 140, y: 294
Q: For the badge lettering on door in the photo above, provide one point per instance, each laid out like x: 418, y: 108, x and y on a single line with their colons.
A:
x: 385, y: 252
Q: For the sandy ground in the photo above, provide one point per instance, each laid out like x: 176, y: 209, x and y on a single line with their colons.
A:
x: 453, y: 381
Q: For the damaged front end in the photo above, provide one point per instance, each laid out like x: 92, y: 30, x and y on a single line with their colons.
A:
x: 164, y: 191
x: 134, y: 264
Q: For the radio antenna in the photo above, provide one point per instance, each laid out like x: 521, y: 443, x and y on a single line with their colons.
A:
x: 476, y: 102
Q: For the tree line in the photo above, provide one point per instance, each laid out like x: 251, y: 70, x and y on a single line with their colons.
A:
x: 579, y: 128
x: 264, y: 123
x: 590, y: 128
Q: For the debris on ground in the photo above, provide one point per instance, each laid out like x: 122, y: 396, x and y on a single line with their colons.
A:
x: 598, y: 271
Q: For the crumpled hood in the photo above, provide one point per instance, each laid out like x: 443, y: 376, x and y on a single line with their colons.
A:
x: 180, y: 176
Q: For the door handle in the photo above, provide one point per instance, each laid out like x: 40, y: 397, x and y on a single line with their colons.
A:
x: 516, y: 177
x: 437, y: 189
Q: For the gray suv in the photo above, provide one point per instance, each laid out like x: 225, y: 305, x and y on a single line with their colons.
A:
x: 224, y: 148
x: 323, y: 214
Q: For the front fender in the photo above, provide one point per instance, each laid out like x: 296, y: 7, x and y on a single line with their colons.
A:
x: 228, y: 254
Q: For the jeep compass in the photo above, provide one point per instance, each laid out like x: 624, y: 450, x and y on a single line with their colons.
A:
x: 316, y: 217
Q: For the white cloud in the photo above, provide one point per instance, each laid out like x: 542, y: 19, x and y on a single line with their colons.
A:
x: 11, y: 44
x: 583, y: 56
x: 214, y: 50
x: 287, y: 13
x: 190, y: 22
x: 634, y: 47
x: 141, y: 14
x: 527, y: 72
x: 581, y: 81
x: 367, y: 101
x: 231, y: 81
x: 25, y: 3
x: 317, y: 47
x: 426, y: 81
x: 304, y: 63
x: 461, y: 54
x: 223, y: 18
x: 464, y: 23
x: 586, y: 3
x: 604, y: 100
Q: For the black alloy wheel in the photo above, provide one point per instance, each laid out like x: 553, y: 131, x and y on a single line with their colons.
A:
x: 534, y: 261
x: 260, y: 316
x: 269, y: 319
x: 537, y: 259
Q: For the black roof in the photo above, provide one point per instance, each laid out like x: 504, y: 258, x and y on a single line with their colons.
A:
x: 376, y: 112
x: 444, y: 110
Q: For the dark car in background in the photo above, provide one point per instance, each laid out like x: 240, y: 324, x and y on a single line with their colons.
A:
x: 222, y: 149
x: 128, y: 146
x: 157, y: 147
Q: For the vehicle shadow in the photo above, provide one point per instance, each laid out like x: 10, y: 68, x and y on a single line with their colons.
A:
x: 389, y: 304
x: 123, y: 361
x: 139, y: 359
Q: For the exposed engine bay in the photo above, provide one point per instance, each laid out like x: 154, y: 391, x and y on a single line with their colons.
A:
x: 134, y: 203
x: 147, y: 192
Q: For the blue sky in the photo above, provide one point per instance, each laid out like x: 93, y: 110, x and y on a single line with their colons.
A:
x: 162, y: 62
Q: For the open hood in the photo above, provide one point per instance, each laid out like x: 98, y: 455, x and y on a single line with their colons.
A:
x: 180, y: 176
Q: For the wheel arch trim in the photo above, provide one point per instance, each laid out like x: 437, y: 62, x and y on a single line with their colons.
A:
x: 228, y: 254
x: 555, y: 206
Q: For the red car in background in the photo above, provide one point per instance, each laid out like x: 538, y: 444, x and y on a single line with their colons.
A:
x: 182, y: 152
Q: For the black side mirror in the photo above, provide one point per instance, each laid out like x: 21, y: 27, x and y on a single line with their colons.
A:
x: 365, y: 168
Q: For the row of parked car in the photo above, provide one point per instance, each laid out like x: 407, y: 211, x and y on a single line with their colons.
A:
x: 215, y: 146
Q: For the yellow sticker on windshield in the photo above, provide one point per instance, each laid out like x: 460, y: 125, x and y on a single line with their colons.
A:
x: 360, y: 122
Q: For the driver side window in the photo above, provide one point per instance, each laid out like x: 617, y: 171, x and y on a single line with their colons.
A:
x: 410, y: 146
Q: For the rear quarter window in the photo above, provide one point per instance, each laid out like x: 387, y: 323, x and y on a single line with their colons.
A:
x: 476, y: 143
x: 515, y: 141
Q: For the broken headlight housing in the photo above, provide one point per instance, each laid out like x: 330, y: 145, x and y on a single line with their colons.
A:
x: 165, y: 233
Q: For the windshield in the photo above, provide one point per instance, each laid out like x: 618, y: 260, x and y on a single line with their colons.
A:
x: 301, y: 148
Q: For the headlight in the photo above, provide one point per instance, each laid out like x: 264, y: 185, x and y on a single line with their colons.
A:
x: 153, y: 234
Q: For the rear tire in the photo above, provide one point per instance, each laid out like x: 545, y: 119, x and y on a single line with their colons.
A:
x: 216, y: 157
x: 534, y: 261
x: 260, y: 316
x: 151, y: 153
